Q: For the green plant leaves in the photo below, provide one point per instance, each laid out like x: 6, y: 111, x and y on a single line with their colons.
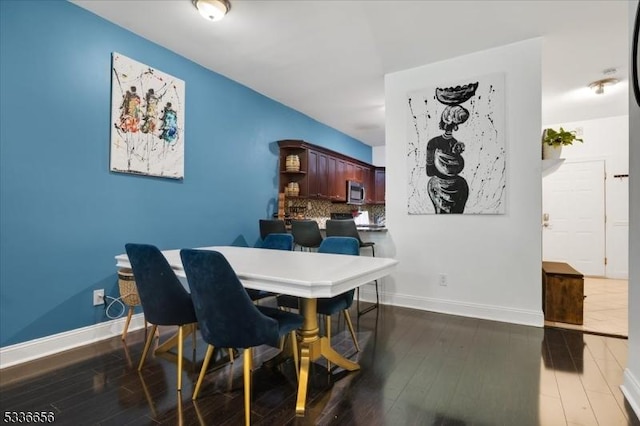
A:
x: 559, y: 137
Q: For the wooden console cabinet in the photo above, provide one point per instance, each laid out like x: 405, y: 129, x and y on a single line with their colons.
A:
x: 562, y: 293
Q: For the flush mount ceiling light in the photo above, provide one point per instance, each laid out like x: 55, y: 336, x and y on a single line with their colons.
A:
x: 213, y: 10
x: 598, y: 85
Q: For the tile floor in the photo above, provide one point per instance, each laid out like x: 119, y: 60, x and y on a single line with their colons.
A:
x: 605, y: 308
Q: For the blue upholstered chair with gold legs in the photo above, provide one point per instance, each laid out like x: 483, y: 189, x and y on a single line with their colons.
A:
x: 336, y: 304
x: 228, y: 318
x: 348, y: 228
x: 163, y: 298
x: 274, y: 241
x: 278, y: 241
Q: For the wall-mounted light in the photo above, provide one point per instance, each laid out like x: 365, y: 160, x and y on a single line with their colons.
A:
x: 213, y: 10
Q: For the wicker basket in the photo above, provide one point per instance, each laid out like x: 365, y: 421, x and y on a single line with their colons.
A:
x: 128, y: 289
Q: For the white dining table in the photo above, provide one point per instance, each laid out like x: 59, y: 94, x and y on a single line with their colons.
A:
x: 308, y: 275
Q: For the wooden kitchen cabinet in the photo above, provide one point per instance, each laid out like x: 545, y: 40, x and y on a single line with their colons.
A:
x: 332, y: 165
x: 369, y: 185
x: 336, y: 183
x: 380, y: 185
x: 359, y: 175
x: 324, y: 173
x: 312, y: 175
x: 340, y: 183
x: 318, y: 180
x: 351, y: 171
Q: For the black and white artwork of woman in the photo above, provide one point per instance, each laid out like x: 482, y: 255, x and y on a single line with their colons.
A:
x: 456, y: 149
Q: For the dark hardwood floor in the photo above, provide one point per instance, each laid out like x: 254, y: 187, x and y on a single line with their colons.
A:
x: 418, y: 368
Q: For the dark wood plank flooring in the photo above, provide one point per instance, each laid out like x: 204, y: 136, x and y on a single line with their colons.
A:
x: 418, y: 368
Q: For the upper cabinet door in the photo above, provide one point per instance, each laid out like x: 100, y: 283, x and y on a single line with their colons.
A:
x: 332, y: 175
x: 380, y: 191
x: 312, y: 175
x: 341, y: 180
x: 323, y: 176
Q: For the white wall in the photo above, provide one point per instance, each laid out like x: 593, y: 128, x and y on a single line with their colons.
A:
x: 608, y: 139
x: 378, y: 155
x: 631, y: 386
x: 493, y: 262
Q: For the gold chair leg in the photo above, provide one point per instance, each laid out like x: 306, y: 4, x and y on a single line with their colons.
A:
x: 127, y: 322
x: 248, y: 366
x: 347, y: 317
x: 180, y: 354
x: 194, y: 329
x: 147, y: 345
x: 231, y: 357
x: 327, y: 333
x: 203, y: 371
x: 294, y: 348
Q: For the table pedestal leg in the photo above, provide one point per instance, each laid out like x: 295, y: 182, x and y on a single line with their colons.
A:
x: 312, y: 347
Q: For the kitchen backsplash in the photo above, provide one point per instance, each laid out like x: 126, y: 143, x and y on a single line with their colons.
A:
x: 320, y: 210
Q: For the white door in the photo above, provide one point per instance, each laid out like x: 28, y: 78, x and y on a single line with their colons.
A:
x: 573, y: 222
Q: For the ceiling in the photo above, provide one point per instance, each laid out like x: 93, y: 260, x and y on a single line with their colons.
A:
x: 328, y: 59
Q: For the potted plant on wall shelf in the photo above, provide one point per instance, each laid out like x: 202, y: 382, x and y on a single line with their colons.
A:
x: 554, y: 140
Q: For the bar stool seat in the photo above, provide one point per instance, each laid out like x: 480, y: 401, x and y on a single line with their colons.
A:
x: 271, y: 226
x: 306, y: 233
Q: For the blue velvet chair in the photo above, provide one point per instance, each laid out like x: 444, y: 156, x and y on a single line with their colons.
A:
x: 163, y: 298
x: 348, y: 228
x: 278, y: 241
x: 275, y: 241
x: 228, y: 318
x: 340, y: 303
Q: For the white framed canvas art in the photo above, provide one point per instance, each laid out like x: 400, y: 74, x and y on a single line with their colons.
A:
x: 456, y: 150
x: 147, y: 120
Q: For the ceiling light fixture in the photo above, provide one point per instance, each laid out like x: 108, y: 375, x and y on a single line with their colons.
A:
x: 212, y: 10
x: 598, y: 85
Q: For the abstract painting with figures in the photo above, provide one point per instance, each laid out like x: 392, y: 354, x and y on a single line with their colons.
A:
x: 456, y: 151
x: 147, y: 120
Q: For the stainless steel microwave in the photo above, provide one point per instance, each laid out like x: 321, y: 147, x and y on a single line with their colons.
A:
x: 355, y: 193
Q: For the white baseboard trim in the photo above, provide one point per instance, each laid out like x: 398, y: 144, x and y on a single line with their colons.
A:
x: 473, y: 310
x: 618, y: 275
x: 50, y: 345
x: 631, y: 390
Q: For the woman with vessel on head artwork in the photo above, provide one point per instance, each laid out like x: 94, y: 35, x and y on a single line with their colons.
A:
x: 447, y: 189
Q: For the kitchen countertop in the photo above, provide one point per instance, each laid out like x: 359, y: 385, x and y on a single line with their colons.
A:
x: 361, y: 228
x: 367, y: 228
x: 372, y: 228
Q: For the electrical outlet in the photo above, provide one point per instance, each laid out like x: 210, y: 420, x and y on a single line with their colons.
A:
x: 443, y: 280
x: 98, y: 297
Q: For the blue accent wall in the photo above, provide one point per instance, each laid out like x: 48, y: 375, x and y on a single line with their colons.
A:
x: 64, y: 215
